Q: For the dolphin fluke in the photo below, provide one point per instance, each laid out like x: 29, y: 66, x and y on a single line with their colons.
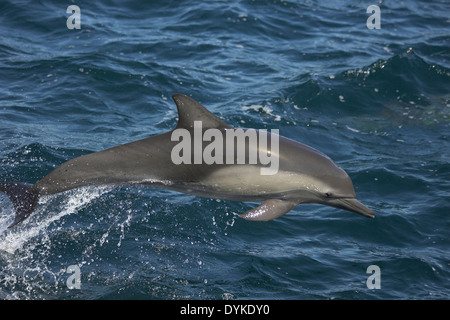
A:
x: 23, y: 197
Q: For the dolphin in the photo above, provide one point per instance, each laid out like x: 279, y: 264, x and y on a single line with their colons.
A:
x: 304, y: 175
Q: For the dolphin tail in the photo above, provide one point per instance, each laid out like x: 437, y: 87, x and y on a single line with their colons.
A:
x: 23, y: 197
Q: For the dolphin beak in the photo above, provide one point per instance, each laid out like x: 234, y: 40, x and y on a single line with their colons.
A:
x: 351, y: 204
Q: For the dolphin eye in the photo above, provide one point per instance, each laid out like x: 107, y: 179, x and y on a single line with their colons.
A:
x: 328, y: 194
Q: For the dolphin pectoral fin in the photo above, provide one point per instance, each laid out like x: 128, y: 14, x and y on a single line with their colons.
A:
x: 269, y: 210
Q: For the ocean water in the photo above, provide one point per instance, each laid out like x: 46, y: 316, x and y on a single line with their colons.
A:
x: 377, y: 101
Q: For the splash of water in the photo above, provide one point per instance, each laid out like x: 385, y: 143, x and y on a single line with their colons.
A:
x: 14, y: 239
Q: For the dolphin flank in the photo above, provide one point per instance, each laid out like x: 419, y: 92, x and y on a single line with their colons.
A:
x: 304, y: 174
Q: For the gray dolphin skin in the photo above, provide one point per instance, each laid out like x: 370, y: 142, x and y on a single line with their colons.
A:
x: 304, y: 174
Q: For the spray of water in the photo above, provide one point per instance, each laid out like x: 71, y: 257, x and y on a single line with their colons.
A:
x: 14, y: 239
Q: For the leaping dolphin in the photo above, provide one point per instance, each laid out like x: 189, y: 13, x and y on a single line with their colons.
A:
x: 304, y: 175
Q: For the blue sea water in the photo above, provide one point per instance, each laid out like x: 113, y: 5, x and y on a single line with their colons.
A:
x: 377, y: 101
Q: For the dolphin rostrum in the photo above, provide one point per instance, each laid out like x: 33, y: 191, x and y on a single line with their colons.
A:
x: 303, y: 174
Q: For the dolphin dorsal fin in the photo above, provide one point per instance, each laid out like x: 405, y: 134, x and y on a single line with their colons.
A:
x: 190, y: 110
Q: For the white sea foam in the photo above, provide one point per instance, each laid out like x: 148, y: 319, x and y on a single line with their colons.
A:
x: 266, y: 109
